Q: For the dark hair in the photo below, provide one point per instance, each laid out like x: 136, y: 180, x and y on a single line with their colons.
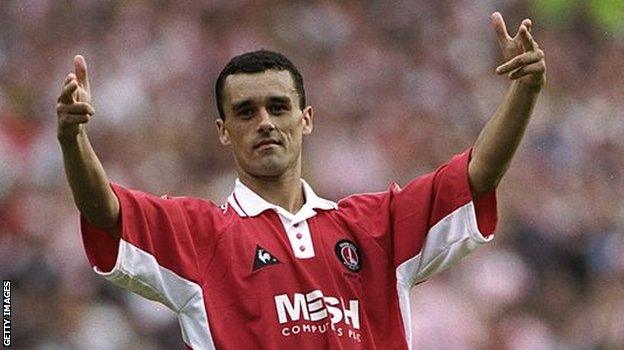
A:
x: 257, y: 62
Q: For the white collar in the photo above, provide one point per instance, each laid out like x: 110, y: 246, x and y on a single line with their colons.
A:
x: 248, y: 203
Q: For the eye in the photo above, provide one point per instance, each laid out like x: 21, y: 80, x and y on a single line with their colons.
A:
x: 246, y: 113
x: 278, y: 109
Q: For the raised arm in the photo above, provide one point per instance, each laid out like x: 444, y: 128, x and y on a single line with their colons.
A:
x: 85, y: 174
x: 499, y: 139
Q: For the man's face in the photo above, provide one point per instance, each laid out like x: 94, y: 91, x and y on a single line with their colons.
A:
x: 264, y: 124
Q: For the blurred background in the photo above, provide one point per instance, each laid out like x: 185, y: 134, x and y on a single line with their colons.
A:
x: 398, y: 86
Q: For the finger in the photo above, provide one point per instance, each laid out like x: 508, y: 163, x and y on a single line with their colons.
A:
x: 80, y: 66
x: 528, y: 24
x: 74, y: 118
x: 519, y: 61
x: 533, y: 68
x: 499, y: 26
x: 68, y: 91
x: 68, y: 78
x: 527, y: 39
x: 75, y: 108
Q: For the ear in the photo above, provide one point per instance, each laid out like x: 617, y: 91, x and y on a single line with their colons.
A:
x: 308, y: 120
x: 224, y: 137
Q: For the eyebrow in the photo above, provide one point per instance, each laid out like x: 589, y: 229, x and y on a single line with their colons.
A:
x: 240, y: 105
x: 248, y: 103
x: 280, y: 99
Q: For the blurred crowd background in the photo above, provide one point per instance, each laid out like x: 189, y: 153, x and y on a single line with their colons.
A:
x: 398, y: 86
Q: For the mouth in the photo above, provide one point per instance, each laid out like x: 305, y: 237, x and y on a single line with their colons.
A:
x: 266, y: 143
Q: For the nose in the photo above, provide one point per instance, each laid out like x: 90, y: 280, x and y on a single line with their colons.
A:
x: 266, y: 124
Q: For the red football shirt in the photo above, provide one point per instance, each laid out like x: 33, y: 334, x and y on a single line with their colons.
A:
x: 250, y: 275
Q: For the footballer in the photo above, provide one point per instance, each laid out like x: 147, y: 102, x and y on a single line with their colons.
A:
x: 277, y: 266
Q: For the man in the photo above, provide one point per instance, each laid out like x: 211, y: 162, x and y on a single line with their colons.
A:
x: 278, y: 266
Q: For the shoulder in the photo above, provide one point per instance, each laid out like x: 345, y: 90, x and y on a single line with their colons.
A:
x: 365, y: 204
x: 362, y: 199
x: 200, y: 208
x: 193, y: 203
x: 194, y: 209
x: 370, y: 199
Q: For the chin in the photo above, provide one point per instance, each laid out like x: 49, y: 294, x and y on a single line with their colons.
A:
x: 271, y: 165
x: 266, y: 167
x: 270, y: 170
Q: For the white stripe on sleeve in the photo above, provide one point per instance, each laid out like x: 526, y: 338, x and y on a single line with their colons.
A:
x: 139, y: 272
x: 449, y: 240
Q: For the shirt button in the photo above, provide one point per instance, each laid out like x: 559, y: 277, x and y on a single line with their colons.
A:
x: 296, y: 224
x: 302, y: 248
x: 299, y: 235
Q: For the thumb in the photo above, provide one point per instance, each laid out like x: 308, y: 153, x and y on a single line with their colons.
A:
x: 80, y: 67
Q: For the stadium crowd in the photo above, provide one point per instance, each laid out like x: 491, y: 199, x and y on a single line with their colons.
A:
x: 398, y: 87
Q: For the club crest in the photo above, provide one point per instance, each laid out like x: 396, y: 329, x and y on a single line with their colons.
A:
x: 349, y: 255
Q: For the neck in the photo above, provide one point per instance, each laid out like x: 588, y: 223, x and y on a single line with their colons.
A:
x: 284, y: 190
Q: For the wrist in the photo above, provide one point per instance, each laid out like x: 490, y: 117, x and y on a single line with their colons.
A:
x: 533, y: 85
x: 70, y: 136
x: 527, y: 88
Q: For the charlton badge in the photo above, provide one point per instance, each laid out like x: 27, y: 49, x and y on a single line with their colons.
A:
x: 349, y: 255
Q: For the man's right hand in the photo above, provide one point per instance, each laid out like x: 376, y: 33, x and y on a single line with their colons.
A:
x: 74, y: 104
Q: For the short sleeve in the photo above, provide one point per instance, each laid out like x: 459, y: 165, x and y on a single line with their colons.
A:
x: 431, y: 223
x: 162, y: 240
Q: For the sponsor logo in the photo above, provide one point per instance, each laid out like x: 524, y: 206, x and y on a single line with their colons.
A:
x: 263, y: 258
x: 303, y: 312
x: 349, y: 255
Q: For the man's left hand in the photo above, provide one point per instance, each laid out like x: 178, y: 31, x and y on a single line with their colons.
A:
x: 524, y: 60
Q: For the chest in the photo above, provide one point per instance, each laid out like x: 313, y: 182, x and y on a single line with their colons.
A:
x: 266, y: 255
x: 331, y: 289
